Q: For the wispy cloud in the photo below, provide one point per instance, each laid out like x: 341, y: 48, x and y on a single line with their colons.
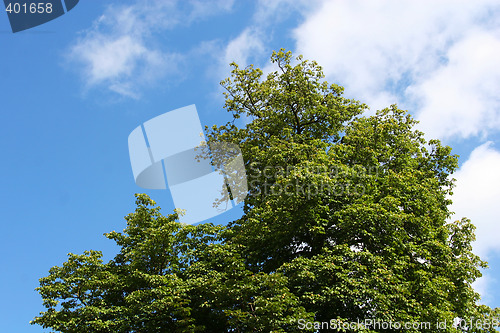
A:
x: 120, y: 51
x: 247, y: 45
x: 270, y: 12
x: 200, y: 9
x: 253, y: 44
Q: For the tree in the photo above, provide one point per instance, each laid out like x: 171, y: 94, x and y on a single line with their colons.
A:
x: 345, y: 221
x: 168, y: 277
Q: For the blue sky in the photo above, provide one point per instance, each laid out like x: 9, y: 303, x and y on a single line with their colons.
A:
x: 73, y: 89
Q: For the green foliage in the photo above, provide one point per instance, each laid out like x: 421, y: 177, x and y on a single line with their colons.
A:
x: 345, y: 219
x: 168, y: 277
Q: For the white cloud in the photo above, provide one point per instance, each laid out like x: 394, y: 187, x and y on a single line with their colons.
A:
x: 483, y: 285
x: 249, y: 43
x: 378, y: 48
x: 477, y: 195
x: 203, y: 8
x: 462, y: 96
x: 252, y: 45
x: 120, y: 52
x: 115, y: 52
x: 269, y: 12
x: 243, y: 50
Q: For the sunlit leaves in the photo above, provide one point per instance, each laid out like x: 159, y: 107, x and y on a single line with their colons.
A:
x: 345, y: 219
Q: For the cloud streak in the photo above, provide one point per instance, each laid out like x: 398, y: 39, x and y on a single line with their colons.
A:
x: 120, y: 51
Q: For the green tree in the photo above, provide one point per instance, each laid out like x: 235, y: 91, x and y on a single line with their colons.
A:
x: 167, y: 277
x: 345, y: 219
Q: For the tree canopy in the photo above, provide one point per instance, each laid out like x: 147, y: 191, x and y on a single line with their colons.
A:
x: 346, y: 220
